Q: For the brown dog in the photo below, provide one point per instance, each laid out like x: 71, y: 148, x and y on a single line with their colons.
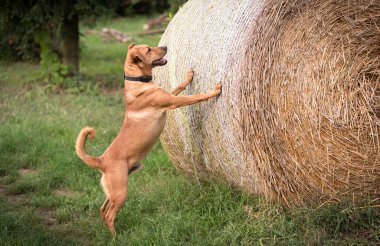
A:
x: 146, y: 105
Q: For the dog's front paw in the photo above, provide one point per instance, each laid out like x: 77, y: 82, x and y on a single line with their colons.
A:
x: 218, y: 88
x: 189, y: 74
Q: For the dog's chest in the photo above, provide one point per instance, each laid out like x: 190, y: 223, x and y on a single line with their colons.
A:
x: 151, y: 121
x: 156, y: 121
x: 147, y: 115
x: 144, y: 127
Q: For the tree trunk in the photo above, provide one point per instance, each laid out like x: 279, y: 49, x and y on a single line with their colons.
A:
x: 70, y: 33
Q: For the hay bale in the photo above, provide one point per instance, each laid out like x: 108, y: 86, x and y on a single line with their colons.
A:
x: 298, y: 117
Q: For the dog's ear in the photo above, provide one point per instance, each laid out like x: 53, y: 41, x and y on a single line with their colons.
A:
x: 131, y: 46
x: 135, y: 59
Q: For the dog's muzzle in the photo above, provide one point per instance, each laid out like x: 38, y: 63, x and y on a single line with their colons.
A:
x: 159, y: 62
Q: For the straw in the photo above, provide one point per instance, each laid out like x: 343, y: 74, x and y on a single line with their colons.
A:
x: 298, y: 117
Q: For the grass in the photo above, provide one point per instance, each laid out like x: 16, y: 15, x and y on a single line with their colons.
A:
x: 48, y: 196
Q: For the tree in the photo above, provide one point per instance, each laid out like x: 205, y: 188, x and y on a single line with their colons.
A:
x: 20, y: 21
x: 70, y: 35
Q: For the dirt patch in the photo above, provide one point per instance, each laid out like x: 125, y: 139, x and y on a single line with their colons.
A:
x: 27, y: 171
x: 46, y: 216
x: 14, y: 200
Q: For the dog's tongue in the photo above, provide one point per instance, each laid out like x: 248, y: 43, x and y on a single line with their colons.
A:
x: 160, y: 62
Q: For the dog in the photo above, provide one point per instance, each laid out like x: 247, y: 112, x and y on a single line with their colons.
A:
x: 146, y: 105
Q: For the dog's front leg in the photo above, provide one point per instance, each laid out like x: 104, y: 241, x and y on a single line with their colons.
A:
x: 182, y: 86
x: 180, y: 101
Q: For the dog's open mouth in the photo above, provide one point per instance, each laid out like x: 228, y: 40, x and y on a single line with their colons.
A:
x: 159, y: 62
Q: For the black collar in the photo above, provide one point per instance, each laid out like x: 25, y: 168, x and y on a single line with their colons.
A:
x: 139, y: 79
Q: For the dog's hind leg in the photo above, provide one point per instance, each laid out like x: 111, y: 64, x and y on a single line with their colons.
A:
x: 114, y: 207
x: 115, y: 185
x: 104, y: 209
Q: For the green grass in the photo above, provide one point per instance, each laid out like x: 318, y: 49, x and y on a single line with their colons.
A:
x: 20, y: 73
x: 48, y: 196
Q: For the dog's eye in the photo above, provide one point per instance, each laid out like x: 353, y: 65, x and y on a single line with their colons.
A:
x: 148, y: 49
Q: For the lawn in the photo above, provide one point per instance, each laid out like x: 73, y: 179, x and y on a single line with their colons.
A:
x: 49, y: 196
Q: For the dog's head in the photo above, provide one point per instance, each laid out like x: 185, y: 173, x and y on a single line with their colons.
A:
x: 144, y: 58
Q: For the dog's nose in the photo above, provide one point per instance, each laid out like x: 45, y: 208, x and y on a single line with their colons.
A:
x: 164, y: 48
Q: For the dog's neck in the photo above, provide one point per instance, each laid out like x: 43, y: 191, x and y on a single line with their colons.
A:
x: 134, y: 70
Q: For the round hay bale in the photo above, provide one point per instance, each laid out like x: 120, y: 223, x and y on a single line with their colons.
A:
x: 298, y: 117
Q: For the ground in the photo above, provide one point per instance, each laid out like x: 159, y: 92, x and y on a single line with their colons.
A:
x: 49, y: 196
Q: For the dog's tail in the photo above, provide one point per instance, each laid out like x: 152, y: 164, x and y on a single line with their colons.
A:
x: 92, y: 161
